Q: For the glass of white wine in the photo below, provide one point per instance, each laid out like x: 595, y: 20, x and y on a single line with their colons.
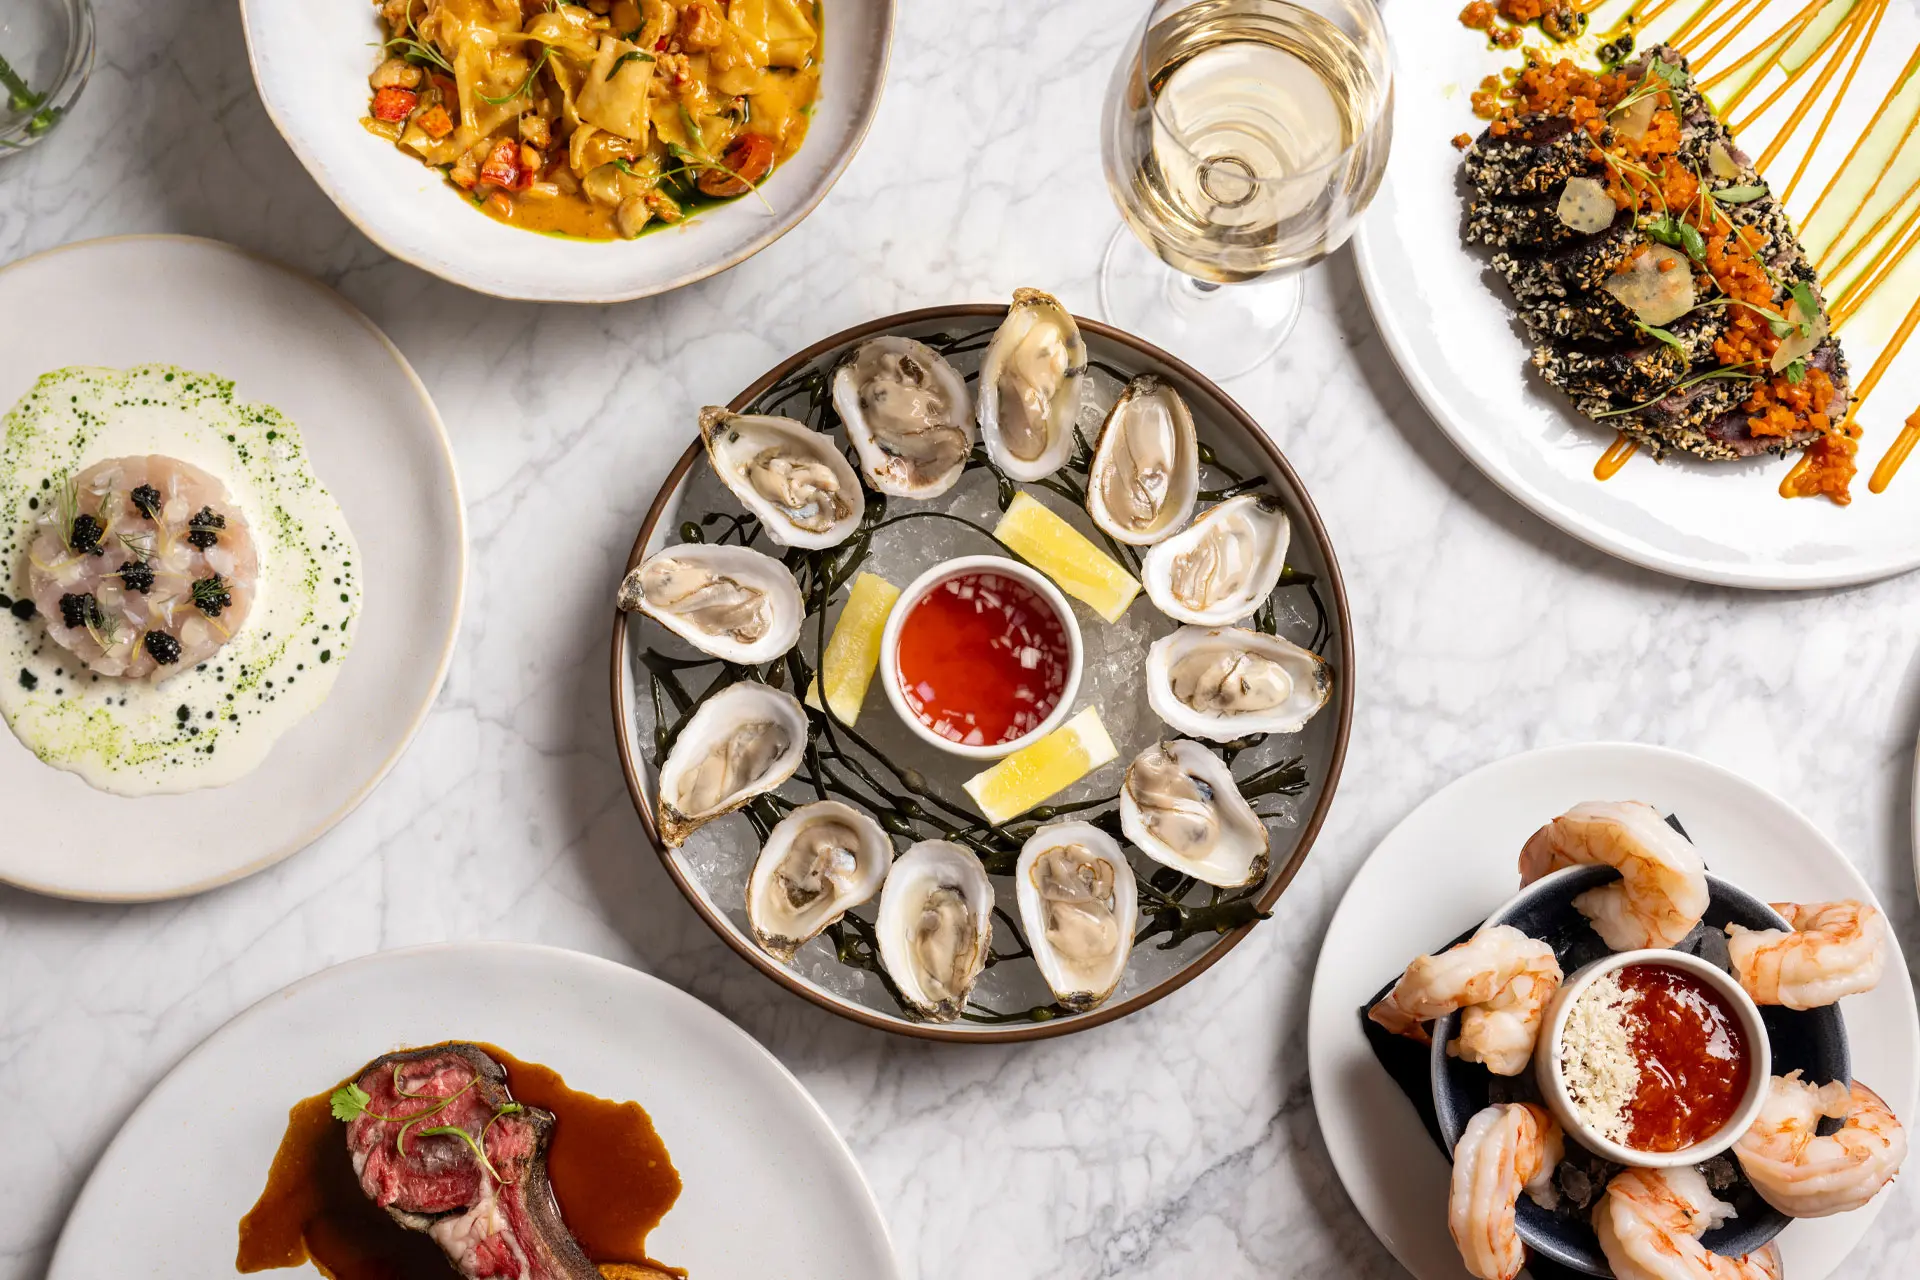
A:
x: 1242, y: 140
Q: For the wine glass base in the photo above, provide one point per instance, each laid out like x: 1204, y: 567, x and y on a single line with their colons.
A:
x: 1222, y: 330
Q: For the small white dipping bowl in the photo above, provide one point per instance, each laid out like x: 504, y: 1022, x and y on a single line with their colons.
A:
x: 1553, y: 1087
x: 917, y: 591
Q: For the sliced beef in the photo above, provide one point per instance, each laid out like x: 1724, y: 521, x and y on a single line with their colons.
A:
x: 1521, y: 225
x: 1572, y: 269
x: 1530, y: 160
x: 492, y: 1218
x: 1628, y: 374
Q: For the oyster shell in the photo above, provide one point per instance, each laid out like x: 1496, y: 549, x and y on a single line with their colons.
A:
x: 1077, y: 900
x: 908, y: 414
x: 1181, y: 807
x: 820, y: 860
x: 1031, y: 381
x: 1146, y: 467
x: 732, y: 602
x: 743, y: 742
x: 1223, y: 566
x: 790, y: 476
x: 1224, y: 683
x: 935, y: 927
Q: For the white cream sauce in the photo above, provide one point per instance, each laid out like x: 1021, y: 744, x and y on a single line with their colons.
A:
x: 216, y: 722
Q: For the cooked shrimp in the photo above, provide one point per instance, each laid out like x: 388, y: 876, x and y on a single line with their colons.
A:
x: 1503, y: 1151
x: 1836, y: 949
x: 1662, y: 890
x: 1650, y: 1223
x: 1805, y: 1175
x: 1500, y: 976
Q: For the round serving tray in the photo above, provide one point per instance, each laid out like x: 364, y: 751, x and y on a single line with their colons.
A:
x: 1238, y: 440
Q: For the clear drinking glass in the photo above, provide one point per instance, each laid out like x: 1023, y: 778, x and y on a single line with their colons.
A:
x: 1242, y: 141
x: 46, y: 55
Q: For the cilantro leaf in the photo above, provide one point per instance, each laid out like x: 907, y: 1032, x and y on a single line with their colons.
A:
x: 1664, y: 335
x: 349, y: 1101
x: 1675, y: 234
x: 1797, y: 371
x: 1668, y: 71
x: 1809, y: 305
x: 1739, y: 195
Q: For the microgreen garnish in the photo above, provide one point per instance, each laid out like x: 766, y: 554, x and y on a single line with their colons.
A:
x: 138, y: 545
x: 1802, y: 294
x: 1661, y: 75
x: 1729, y: 371
x: 1739, y: 195
x: 1675, y: 234
x: 1664, y: 335
x: 695, y: 156
x: 636, y: 56
x: 416, y: 50
x: 1796, y: 371
x: 546, y: 51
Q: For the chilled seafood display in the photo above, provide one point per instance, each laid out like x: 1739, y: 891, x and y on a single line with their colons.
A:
x: 1630, y: 1105
x: 980, y: 657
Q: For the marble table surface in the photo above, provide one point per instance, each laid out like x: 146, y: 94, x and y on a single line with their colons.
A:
x: 1180, y: 1142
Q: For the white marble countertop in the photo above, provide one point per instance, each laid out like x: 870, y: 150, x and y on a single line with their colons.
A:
x: 1180, y: 1142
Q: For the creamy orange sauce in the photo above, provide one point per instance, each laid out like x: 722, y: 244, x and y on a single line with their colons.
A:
x: 1622, y: 448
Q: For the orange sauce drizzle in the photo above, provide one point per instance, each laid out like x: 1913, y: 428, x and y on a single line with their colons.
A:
x: 1840, y: 94
x: 1622, y: 448
x: 1794, y: 77
x: 1878, y: 269
x: 1891, y: 461
x: 1767, y: 49
x: 1685, y: 29
x: 1886, y: 104
x: 1748, y: 12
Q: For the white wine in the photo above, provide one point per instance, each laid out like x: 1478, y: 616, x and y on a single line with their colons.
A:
x: 1248, y: 136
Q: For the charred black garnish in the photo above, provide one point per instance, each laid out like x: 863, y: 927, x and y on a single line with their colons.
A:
x: 28, y: 680
x: 164, y: 648
x: 85, y: 535
x: 200, y: 528
x: 211, y: 595
x: 138, y: 575
x: 147, y: 501
x: 77, y: 610
x: 23, y: 609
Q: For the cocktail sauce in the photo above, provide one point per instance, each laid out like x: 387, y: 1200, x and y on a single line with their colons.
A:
x: 610, y: 1172
x: 982, y: 658
x: 1693, y: 1056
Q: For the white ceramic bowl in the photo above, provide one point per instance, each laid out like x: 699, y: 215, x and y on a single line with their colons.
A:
x: 1546, y: 1060
x: 917, y: 590
x: 311, y: 63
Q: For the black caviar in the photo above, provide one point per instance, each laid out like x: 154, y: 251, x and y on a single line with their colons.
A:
x: 138, y: 575
x: 164, y: 648
x: 86, y: 534
x: 211, y: 595
x: 200, y: 528
x: 147, y: 501
x: 78, y: 610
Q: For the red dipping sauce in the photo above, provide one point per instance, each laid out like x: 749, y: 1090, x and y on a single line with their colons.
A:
x: 982, y: 659
x: 1693, y: 1055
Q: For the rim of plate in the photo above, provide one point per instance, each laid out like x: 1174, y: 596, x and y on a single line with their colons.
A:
x: 539, y: 951
x: 862, y: 124
x: 1342, y: 1157
x: 634, y: 769
x: 448, y: 644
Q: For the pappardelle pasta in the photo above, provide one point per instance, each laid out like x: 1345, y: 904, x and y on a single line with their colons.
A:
x: 598, y: 120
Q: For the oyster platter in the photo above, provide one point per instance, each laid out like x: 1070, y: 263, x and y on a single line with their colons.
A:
x: 981, y: 672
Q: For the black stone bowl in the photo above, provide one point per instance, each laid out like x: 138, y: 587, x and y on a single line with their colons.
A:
x: 1813, y: 1042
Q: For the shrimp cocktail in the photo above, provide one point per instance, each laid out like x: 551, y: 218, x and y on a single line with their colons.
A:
x: 1631, y: 1101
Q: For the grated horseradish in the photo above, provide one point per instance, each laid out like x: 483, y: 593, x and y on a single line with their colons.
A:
x: 1597, y: 1060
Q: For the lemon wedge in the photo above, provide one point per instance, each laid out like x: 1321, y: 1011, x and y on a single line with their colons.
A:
x: 853, y: 650
x: 1063, y: 553
x: 1044, y: 768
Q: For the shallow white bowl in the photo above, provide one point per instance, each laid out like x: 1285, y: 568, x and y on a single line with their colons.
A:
x: 311, y: 63
x: 1553, y: 1085
x: 917, y: 591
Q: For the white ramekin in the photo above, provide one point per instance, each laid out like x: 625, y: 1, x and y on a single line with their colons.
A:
x: 917, y: 590
x: 1553, y: 1087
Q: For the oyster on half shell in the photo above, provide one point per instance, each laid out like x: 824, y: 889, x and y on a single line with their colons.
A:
x: 1031, y: 382
x: 935, y: 927
x: 1146, y: 466
x: 792, y: 477
x: 1077, y: 899
x: 1223, y: 683
x: 908, y: 414
x: 743, y: 742
x: 818, y: 861
x: 1223, y: 566
x: 1181, y: 806
x: 731, y: 602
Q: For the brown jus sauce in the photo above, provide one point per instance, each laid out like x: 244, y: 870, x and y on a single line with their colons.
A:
x: 610, y: 1171
x: 1693, y: 1056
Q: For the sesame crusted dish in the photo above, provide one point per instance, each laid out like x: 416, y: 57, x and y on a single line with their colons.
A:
x: 1659, y: 279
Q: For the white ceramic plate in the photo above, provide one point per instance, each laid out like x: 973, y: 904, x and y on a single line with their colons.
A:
x: 1450, y: 327
x: 1452, y: 861
x: 751, y: 1146
x: 377, y: 444
x: 311, y: 63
